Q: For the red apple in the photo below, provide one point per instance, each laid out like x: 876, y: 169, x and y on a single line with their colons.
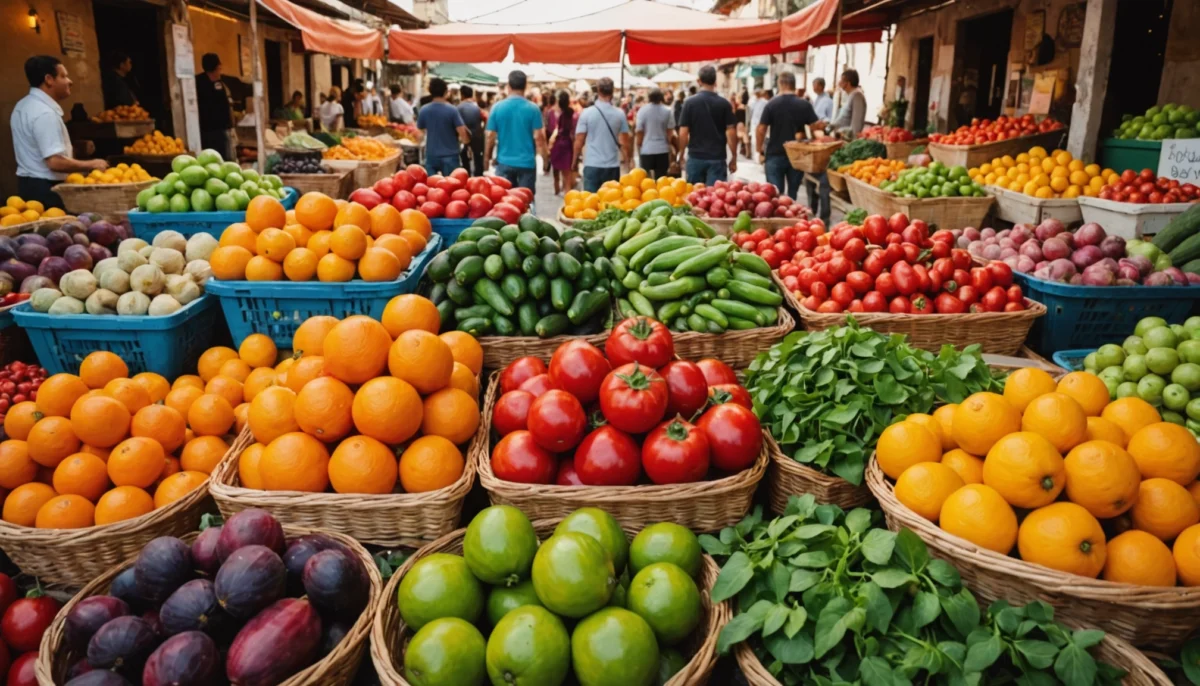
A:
x: 366, y: 197
x: 449, y: 184
x: 404, y: 200
x: 417, y: 172
x: 403, y: 180
x: 478, y: 205
x: 515, y: 201
x: 431, y: 209
x: 438, y: 195
x: 457, y: 209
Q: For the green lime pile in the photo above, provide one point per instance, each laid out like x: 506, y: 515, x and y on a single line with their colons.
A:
x: 935, y: 181
x: 1159, y: 363
x: 206, y: 183
x: 1159, y: 122
x: 628, y: 604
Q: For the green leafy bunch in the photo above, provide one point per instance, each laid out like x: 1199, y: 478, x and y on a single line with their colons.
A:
x: 858, y: 149
x: 826, y: 395
x: 606, y: 218
x: 826, y: 597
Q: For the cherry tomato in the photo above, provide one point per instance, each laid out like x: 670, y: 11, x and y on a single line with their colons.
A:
x: 734, y: 436
x: 811, y: 302
x: 537, y: 385
x: 873, y: 263
x: 511, y: 412
x: 578, y: 367
x: 608, y: 457
x: 687, y: 388
x: 860, y: 281
x: 22, y: 671
x: 899, y: 305
x: 1015, y: 295
x: 517, y: 457
x: 717, y: 372
x: 518, y: 371
x: 642, y: 340
x: 730, y: 393
x: 633, y: 398
x: 26, y: 620
x: 557, y: 421
x: 995, y: 299
x: 675, y: 452
x: 567, y: 476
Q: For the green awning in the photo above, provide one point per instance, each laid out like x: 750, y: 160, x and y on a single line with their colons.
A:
x: 464, y: 73
x: 754, y: 70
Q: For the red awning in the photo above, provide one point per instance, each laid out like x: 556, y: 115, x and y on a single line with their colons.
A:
x: 327, y: 35
x: 816, y: 25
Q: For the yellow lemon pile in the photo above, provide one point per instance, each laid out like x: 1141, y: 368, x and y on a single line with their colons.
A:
x: 627, y: 193
x: 18, y: 211
x: 156, y: 144
x: 1044, y: 175
x: 122, y: 173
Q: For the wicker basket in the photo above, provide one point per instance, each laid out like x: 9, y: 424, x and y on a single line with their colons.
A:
x: 810, y: 156
x: 389, y: 635
x: 735, y: 348
x: 975, y: 155
x: 564, y: 219
x: 1152, y: 616
x: 393, y: 519
x: 73, y: 557
x: 900, y: 150
x: 335, y: 185
x: 498, y: 351
x: 106, y: 198
x: 700, y: 506
x: 837, y: 181
x: 944, y: 213
x: 335, y: 669
x: 42, y: 226
x: 724, y: 226
x: 788, y: 477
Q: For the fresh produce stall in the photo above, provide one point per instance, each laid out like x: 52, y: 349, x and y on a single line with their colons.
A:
x: 982, y: 140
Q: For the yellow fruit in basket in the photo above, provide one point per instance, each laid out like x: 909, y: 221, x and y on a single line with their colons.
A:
x: 1060, y: 420
x: 1023, y: 158
x: 1164, y: 508
x: 1101, y: 477
x: 1136, y: 557
x: 1025, y: 384
x: 1087, y: 390
x: 923, y: 488
x: 980, y: 515
x: 904, y: 444
x: 1166, y: 450
x: 1072, y: 192
x: 1092, y: 169
x: 968, y: 467
x: 1131, y: 414
x: 1025, y: 469
x: 1186, y: 552
x: 981, y: 420
x: 933, y: 425
x: 1037, y: 150
x: 1063, y: 536
x: 1044, y: 192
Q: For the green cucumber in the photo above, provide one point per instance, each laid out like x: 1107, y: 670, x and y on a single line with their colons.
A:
x: 630, y: 247
x: 569, y: 266
x: 737, y: 324
x: 632, y: 226
x: 585, y: 304
x: 462, y: 314
x: 531, y: 265
x: 752, y: 263
x: 527, y: 319
x: 490, y: 293
x: 437, y: 293
x: 493, y: 267
x: 612, y: 237
x: 469, y: 270
x: 680, y: 226
x: 446, y: 310
x: 511, y: 257
x: 603, y: 267
x: 514, y: 287
x: 625, y: 309
x: 503, y: 326
x: 717, y: 277
x: 674, y: 290
x: 527, y: 243
x: 669, y: 310
x: 460, y: 294
x: 733, y: 308
x: 539, y: 286
x: 699, y: 264
x: 752, y: 278
x: 648, y: 253
x: 620, y: 267
x: 550, y: 264
x: 641, y: 304
x: 440, y: 268
x: 552, y: 325
x: 753, y: 294
x: 462, y: 249
x: 561, y: 294
x: 657, y: 278
x: 477, y: 326
x: 489, y: 245
x: 667, y: 261
x: 586, y: 277
x: 509, y: 233
x: 770, y: 314
x: 632, y: 280
x: 712, y: 314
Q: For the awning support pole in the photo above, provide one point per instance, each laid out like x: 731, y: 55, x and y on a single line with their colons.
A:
x: 256, y: 75
x: 837, y: 50
x: 622, y: 66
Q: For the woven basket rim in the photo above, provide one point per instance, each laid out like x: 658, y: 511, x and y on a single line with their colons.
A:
x: 781, y: 460
x: 948, y: 200
x: 813, y: 145
x: 1033, y: 310
x: 95, y: 187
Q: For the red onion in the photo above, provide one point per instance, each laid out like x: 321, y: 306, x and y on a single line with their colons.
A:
x: 1006, y: 242
x: 1020, y: 234
x: 1025, y: 264
x: 1158, y: 279
x: 988, y: 233
x: 962, y: 242
x: 1086, y: 256
x: 1006, y: 253
x: 1138, y: 262
x: 991, y: 252
x: 1035, y: 252
x: 1068, y: 239
x: 1049, y: 228
x: 1013, y: 261
x: 1128, y: 271
x: 1193, y: 279
x: 1177, y: 274
x: 1052, y: 249
x: 975, y: 247
x: 972, y: 233
x: 1113, y: 246
x: 1062, y: 269
x: 1098, y: 275
x: 1089, y: 234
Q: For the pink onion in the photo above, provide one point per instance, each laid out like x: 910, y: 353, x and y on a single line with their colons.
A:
x: 962, y: 242
x: 972, y: 233
x: 1068, y: 239
x: 1006, y: 253
x: 1062, y: 269
x: 991, y: 252
x: 1020, y: 234
x: 975, y: 247
x: 1158, y: 279
x: 1031, y: 250
x: 1098, y: 275
x: 1006, y: 242
x: 1128, y: 271
x: 1138, y: 262
x: 1113, y: 246
x: 1049, y: 228
x: 988, y: 232
x: 1004, y: 234
x: 1052, y: 248
x: 1013, y: 261
x: 1025, y: 264
x: 1193, y: 279
x: 1086, y: 256
x: 1177, y: 274
x: 1089, y: 234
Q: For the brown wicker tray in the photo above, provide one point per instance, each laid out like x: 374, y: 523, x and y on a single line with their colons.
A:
x: 837, y: 181
x: 498, y: 351
x: 724, y: 226
x: 735, y: 348
x: 810, y: 156
x: 393, y: 519
x: 700, y: 506
x: 975, y: 155
x: 900, y: 150
x: 944, y: 213
x: 366, y: 172
x: 389, y: 635
x: 335, y: 185
x: 106, y: 198
x: 335, y: 669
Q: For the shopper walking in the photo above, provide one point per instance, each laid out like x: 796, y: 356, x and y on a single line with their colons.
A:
x: 656, y: 136
x: 602, y: 136
x: 399, y: 110
x: 561, y: 124
x: 515, y: 135
x: 331, y: 112
x: 444, y: 130
x: 212, y: 101
x: 822, y: 102
x: 755, y: 110
x: 472, y: 116
x: 706, y: 128
x: 783, y: 120
x: 853, y: 116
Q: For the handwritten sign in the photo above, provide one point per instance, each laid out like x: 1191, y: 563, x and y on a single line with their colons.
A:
x: 70, y: 33
x: 1180, y: 159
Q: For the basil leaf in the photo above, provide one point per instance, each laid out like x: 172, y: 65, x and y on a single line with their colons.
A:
x: 878, y: 545
x: 1075, y: 667
x: 912, y: 550
x: 790, y: 650
x: 1040, y: 654
x: 734, y: 576
x: 983, y: 654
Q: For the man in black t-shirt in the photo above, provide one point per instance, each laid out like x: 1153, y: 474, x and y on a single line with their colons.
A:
x: 706, y: 128
x: 212, y: 103
x: 783, y: 119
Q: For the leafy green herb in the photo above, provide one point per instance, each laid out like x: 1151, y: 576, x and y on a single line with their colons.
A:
x: 857, y: 216
x: 858, y: 149
x: 826, y: 395
x: 603, y: 220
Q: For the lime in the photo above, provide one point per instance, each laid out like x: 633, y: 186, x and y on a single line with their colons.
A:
x: 1150, y: 388
x: 447, y: 651
x: 439, y: 585
x: 1189, y: 350
x: 1135, y: 367
x: 249, y: 186
x: 158, y: 203
x: 499, y: 545
x: 179, y: 203
x: 1174, y: 417
x: 182, y: 162
x: 234, y: 179
x: 226, y: 203
x: 143, y: 198
x: 529, y: 647
x: 1090, y: 364
x: 215, y: 171
x: 620, y: 596
x: 667, y: 598
x: 1192, y: 323
x: 665, y: 542
x: 572, y: 574
x: 241, y: 198
x: 1145, y: 324
x: 164, y: 187
x: 1175, y: 397
x: 601, y: 526
x: 1111, y: 384
x: 251, y: 174
x: 201, y: 200
x: 1127, y: 389
x: 1193, y: 409
x: 1187, y: 375
x: 670, y: 661
x: 273, y: 180
x: 182, y: 187
x: 215, y: 186
x: 194, y: 176
x: 1109, y: 355
x: 1161, y: 360
x: 614, y: 647
x: 1115, y: 373
x: 209, y: 156
x: 1181, y: 334
x: 1160, y: 337
x: 1193, y: 426
x: 1133, y: 345
x: 502, y: 600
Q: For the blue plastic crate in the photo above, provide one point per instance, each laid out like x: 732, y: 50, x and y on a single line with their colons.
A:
x: 278, y: 308
x: 168, y: 345
x: 6, y: 318
x: 449, y: 229
x: 147, y: 225
x: 1072, y: 360
x: 1090, y: 316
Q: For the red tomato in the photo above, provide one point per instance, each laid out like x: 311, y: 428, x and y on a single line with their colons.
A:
x: 26, y: 620
x: 995, y: 299
x: 21, y: 673
x: 940, y: 249
x: 893, y: 254
x: 873, y: 263
x: 675, y: 452
x: 771, y: 258
x: 920, y: 304
x: 839, y: 267
x: 608, y: 457
x: 830, y: 307
x: 821, y: 290
x: 875, y: 229
x: 1001, y: 273
x: 874, y: 302
x: 537, y: 385
x: 811, y: 302
x: 861, y: 282
x: 687, y: 388
x: 885, y: 283
x: 567, y: 476
x: 981, y: 279
x: 717, y: 372
x: 1015, y: 295
x: 730, y: 393
x: 557, y: 421
x: 633, y: 398
x: 946, y: 303
x: 578, y: 367
x: 924, y: 284
x: 842, y: 293
x: 512, y: 412
x: 517, y: 457
x: 734, y: 436
x: 855, y: 250
x: 641, y: 340
x: 1146, y: 175
x: 897, y: 222
x: 1014, y: 307
x: 961, y: 258
x: 907, y: 281
x: 518, y: 371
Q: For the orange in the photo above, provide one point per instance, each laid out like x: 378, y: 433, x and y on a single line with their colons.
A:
x: 945, y: 419
x: 210, y: 415
x: 261, y: 268
x: 100, y: 421
x: 414, y: 220
x: 1164, y: 508
x: 377, y: 264
x: 300, y: 265
x: 934, y: 426
x: 20, y: 419
x: 274, y: 244
x: 241, y: 417
x: 1131, y: 414
x: 295, y: 462
x: 323, y: 409
x: 422, y: 359
x: 398, y: 247
x: 385, y: 219
x: 203, y: 454
x: 156, y: 385
x: 171, y: 467
x: 1057, y: 418
x: 227, y: 387
x: 304, y: 370
x: 265, y: 212
x: 1136, y: 557
x: 416, y: 241
x: 1100, y: 429
x: 1087, y: 390
x: 348, y: 242
x: 101, y: 453
x: 299, y: 234
x: 351, y: 213
x: 100, y: 367
x: 81, y: 474
x: 136, y: 462
x: 161, y: 423
x: 1186, y: 552
x: 1102, y: 477
x: 1025, y: 469
x: 451, y: 414
x: 1025, y: 384
x: 430, y: 463
x: 58, y: 394
x: 465, y: 349
x: 66, y: 512
x: 16, y: 467
x: 258, y: 350
x: 22, y: 504
x: 121, y: 503
x: 316, y: 211
x: 1166, y: 450
x: 248, y: 466
x: 272, y: 415
x: 410, y: 311
x: 236, y: 369
x: 923, y: 488
x: 51, y: 440
x: 309, y: 338
x: 259, y: 380
x: 228, y: 263
x: 334, y: 269
x: 463, y: 379
x: 905, y: 444
x: 194, y: 380
x: 1063, y: 536
x: 356, y: 350
x: 210, y: 362
x: 238, y: 235
x: 981, y: 420
x: 181, y: 399
x: 177, y: 486
x: 131, y: 394
x: 361, y: 464
x: 282, y: 368
x: 968, y: 467
x: 319, y: 243
x: 980, y: 515
x: 387, y: 409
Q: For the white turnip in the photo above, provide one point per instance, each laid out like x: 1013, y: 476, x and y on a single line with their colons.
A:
x: 991, y: 252
x: 1089, y: 234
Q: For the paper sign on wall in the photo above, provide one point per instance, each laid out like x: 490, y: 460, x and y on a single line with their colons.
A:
x: 1180, y: 159
x: 1043, y: 93
x: 185, y: 62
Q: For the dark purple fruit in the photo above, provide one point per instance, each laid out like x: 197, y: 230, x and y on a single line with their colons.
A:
x: 336, y: 584
x: 252, y: 578
x: 187, y: 659
x: 250, y: 527
x: 151, y: 617
x: 122, y: 645
x: 298, y: 552
x: 192, y: 607
x: 204, y: 550
x: 99, y: 677
x: 80, y: 667
x: 332, y: 635
x: 276, y: 644
x: 125, y: 588
x: 88, y: 616
x: 163, y: 566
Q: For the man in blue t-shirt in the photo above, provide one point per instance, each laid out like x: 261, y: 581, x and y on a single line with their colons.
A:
x: 515, y: 135
x: 444, y: 129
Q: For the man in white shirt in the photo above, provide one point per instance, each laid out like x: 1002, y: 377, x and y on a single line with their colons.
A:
x: 41, y: 143
x: 822, y: 101
x: 331, y: 111
x: 399, y: 110
x: 372, y: 104
x: 755, y: 111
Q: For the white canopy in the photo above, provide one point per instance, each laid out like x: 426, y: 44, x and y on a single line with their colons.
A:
x: 673, y: 75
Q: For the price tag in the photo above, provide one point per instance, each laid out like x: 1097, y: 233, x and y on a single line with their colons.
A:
x: 1180, y: 160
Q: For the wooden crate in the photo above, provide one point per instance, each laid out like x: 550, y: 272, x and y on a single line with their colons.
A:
x: 335, y: 185
x: 974, y: 155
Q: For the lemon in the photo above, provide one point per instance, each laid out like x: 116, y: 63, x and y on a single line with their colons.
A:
x: 1023, y: 158
x: 1044, y: 192
x: 1037, y: 150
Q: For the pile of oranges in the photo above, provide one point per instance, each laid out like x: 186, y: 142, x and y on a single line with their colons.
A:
x: 101, y: 447
x: 627, y: 193
x: 133, y: 112
x: 355, y: 148
x: 1044, y: 175
x: 121, y: 173
x: 354, y: 394
x: 322, y: 238
x: 156, y: 144
x: 1105, y: 489
x: 874, y: 170
x: 17, y: 211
